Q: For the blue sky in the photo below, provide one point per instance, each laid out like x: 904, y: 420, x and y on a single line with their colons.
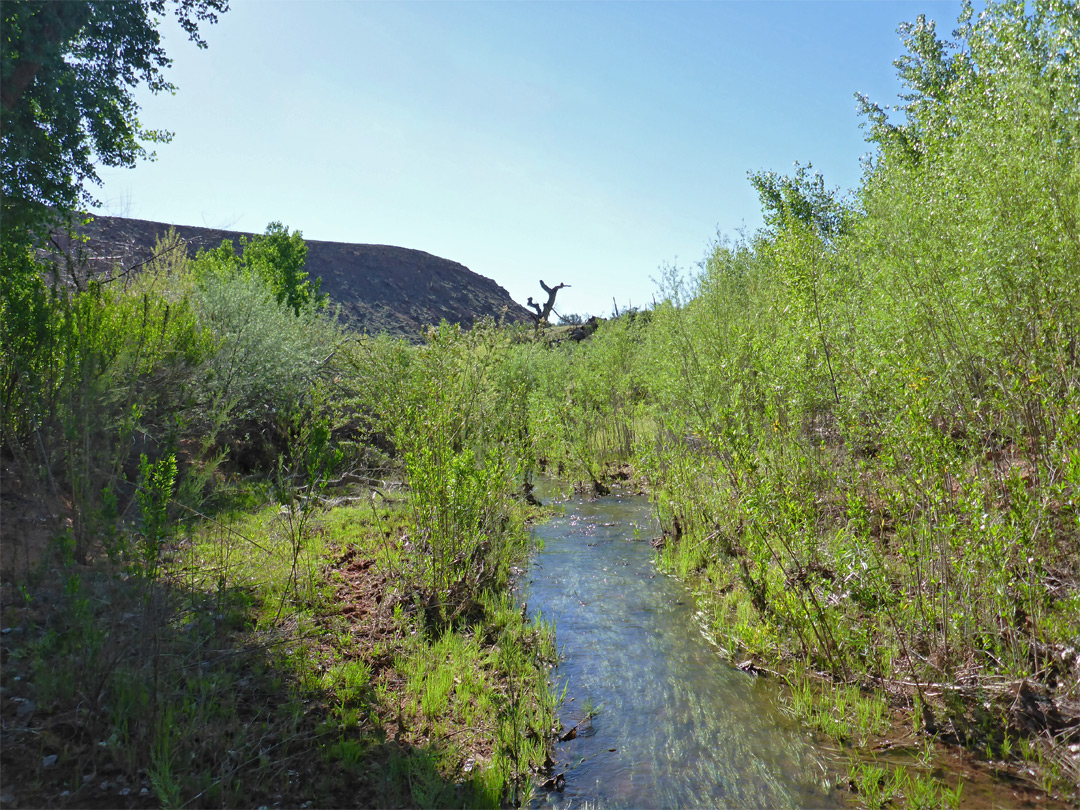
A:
x: 582, y: 143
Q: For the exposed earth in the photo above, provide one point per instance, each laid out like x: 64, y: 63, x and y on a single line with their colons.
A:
x: 379, y: 288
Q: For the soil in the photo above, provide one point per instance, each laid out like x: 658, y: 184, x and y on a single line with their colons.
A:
x: 30, y: 521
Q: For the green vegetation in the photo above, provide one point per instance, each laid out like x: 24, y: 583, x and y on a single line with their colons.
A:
x: 860, y: 427
x: 265, y: 581
x: 280, y: 557
x: 239, y: 672
x: 68, y: 73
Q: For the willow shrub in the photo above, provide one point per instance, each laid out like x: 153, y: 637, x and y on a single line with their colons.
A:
x: 585, y: 398
x: 969, y: 341
x: 168, y: 360
x: 873, y: 436
x: 103, y: 379
x: 459, y: 427
x: 265, y: 357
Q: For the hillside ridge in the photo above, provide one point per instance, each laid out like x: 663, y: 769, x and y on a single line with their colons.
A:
x: 377, y: 288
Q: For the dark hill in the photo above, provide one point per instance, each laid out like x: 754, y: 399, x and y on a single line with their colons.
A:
x: 379, y: 288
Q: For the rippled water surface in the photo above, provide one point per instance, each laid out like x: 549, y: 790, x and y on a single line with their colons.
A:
x: 674, y: 724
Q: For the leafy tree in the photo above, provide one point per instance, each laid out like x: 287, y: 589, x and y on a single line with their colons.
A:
x: 67, y: 74
x: 1008, y: 41
x: 802, y: 198
x: 276, y: 258
x: 929, y: 70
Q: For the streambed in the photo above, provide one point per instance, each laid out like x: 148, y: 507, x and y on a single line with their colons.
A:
x: 659, y: 719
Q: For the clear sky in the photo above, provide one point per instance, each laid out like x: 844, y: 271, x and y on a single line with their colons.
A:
x: 587, y: 143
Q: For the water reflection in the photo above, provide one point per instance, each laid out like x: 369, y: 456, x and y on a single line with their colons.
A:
x: 674, y: 725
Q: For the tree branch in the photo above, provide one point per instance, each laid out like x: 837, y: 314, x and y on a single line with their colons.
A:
x: 543, y: 314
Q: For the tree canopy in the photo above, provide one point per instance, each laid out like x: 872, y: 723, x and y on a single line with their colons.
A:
x: 995, y: 61
x: 802, y: 198
x: 67, y: 75
x: 277, y: 258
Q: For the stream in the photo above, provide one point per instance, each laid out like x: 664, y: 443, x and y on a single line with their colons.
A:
x: 659, y: 718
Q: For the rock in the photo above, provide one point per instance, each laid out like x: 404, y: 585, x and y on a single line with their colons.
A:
x: 557, y: 782
x: 750, y: 667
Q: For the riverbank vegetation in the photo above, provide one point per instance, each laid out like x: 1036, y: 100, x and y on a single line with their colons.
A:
x: 277, y: 560
x: 252, y: 559
x: 859, y: 425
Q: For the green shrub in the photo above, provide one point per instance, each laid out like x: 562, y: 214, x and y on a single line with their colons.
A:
x: 265, y: 357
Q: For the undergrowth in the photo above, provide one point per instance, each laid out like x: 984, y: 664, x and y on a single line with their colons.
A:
x: 859, y: 425
x: 241, y: 672
x: 279, y: 555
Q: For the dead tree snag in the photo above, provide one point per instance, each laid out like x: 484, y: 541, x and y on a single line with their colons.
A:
x: 543, y: 313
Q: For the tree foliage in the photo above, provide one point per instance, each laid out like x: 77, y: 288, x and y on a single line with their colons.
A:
x: 801, y: 198
x: 276, y: 258
x: 1009, y: 45
x: 68, y: 73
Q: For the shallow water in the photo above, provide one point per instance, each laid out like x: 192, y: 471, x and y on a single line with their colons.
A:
x: 673, y: 724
